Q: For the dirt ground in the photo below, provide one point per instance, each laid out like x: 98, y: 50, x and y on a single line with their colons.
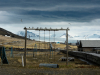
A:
x: 41, y: 71
x: 75, y: 67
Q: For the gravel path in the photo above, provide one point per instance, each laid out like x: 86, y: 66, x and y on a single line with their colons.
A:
x: 41, y: 71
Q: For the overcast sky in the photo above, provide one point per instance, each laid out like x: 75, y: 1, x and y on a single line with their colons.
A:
x: 81, y: 16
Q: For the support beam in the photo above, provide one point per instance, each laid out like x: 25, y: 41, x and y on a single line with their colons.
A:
x: 46, y: 29
x: 25, y: 46
x: 39, y: 40
x: 54, y: 45
x: 67, y: 46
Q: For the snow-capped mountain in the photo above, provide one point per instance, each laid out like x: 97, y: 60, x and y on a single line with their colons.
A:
x: 94, y: 36
x: 76, y: 36
x: 64, y: 36
x: 53, y: 35
x: 79, y: 37
x: 89, y: 36
x: 22, y: 33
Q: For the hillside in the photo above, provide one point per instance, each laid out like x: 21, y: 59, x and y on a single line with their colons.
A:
x: 4, y: 32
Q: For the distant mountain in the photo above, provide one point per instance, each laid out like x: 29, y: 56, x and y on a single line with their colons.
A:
x: 76, y: 36
x: 61, y: 36
x: 89, y: 36
x: 53, y: 35
x: 64, y: 36
x: 31, y: 34
x: 94, y: 36
x: 22, y: 33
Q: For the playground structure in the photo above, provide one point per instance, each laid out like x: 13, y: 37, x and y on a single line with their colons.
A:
x: 3, y: 56
x: 41, y: 58
x: 37, y: 52
x: 36, y: 55
x: 46, y: 29
x: 11, y: 54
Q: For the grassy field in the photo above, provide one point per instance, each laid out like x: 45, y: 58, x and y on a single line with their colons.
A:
x: 19, y: 43
x: 43, y: 57
x: 75, y: 67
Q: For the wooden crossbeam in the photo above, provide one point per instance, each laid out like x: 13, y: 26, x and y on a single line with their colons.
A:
x: 46, y: 29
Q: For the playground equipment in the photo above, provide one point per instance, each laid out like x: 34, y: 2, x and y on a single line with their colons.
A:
x: 11, y: 54
x: 50, y: 45
x: 49, y: 65
x: 22, y: 62
x: 3, y: 56
x: 45, y: 29
x: 35, y: 50
x: 51, y: 50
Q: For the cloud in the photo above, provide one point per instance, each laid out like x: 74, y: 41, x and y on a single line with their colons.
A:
x: 76, y: 28
x: 12, y: 28
x: 33, y: 17
x: 48, y: 3
x: 49, y: 11
x: 81, y: 16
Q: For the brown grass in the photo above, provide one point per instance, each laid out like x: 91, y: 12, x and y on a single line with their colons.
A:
x: 32, y: 62
x: 19, y: 43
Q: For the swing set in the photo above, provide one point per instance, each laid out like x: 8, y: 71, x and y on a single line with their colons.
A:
x: 50, y: 45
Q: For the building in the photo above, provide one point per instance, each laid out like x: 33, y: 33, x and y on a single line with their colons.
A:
x: 89, y: 45
x: 57, y: 42
x: 7, y: 36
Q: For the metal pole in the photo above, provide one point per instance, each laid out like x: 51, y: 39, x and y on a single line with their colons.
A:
x: 25, y: 46
x: 67, y: 46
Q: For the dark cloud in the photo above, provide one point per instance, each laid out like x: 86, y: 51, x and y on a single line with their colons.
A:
x: 51, y: 10
x: 46, y: 3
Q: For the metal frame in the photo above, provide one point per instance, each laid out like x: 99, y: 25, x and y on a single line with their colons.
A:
x: 46, y: 29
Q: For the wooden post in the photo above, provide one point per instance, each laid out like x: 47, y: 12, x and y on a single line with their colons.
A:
x: 67, y: 46
x: 54, y: 45
x: 25, y: 47
x: 39, y: 41
x: 44, y: 44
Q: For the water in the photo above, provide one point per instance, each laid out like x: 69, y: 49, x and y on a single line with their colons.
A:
x: 52, y: 39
